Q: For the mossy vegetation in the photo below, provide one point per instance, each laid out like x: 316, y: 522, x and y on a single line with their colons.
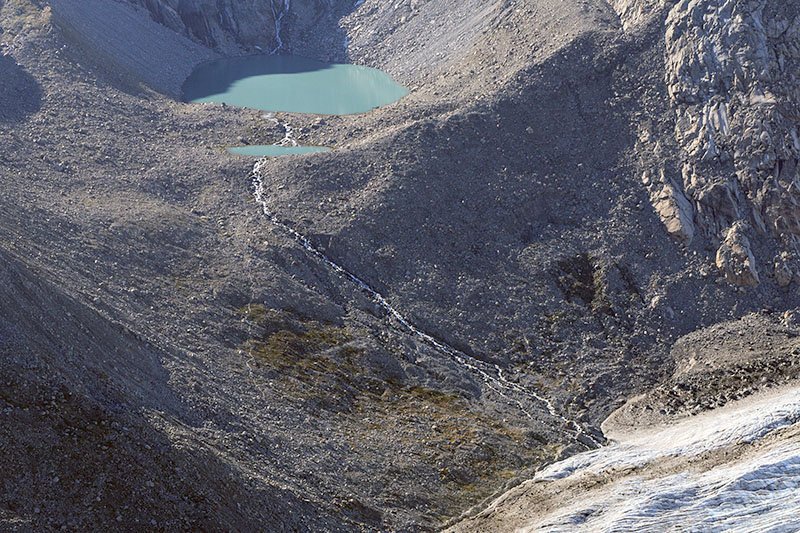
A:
x: 327, y: 368
x: 433, y: 397
x: 285, y: 348
x: 271, y: 319
x: 472, y: 453
x: 290, y: 342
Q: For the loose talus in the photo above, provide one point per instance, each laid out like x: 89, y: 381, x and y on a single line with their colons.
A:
x: 492, y: 375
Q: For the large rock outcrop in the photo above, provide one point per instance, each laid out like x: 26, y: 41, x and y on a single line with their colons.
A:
x: 731, y: 71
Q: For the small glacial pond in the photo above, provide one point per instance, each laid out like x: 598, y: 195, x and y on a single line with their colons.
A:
x: 291, y: 84
x: 273, y: 150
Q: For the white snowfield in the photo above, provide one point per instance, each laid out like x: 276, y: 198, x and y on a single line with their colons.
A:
x: 735, y: 469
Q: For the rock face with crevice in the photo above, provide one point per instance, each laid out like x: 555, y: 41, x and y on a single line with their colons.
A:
x: 230, y: 25
x: 218, y: 25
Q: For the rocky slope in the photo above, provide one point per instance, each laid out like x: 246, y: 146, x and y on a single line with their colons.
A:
x: 515, y: 211
x: 569, y: 189
x: 268, y: 363
x: 725, y: 460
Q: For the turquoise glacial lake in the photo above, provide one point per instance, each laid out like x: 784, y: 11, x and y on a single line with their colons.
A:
x: 272, y: 150
x: 291, y: 84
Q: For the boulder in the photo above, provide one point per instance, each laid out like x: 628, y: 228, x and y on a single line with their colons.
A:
x: 675, y: 212
x: 735, y: 258
x: 783, y: 270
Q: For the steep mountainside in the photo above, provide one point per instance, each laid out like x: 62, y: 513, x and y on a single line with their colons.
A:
x: 534, y: 214
x: 570, y: 188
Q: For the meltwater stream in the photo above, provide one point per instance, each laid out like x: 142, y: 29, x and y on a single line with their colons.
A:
x: 492, y: 376
x: 277, y: 15
x: 288, y: 145
x: 301, y: 85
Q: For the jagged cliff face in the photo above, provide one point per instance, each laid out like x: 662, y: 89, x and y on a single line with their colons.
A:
x: 731, y: 69
x: 731, y: 73
x: 231, y: 24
